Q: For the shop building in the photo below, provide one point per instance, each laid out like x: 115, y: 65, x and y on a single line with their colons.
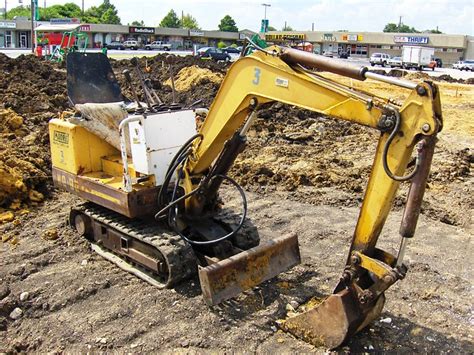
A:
x: 450, y: 48
x: 17, y: 34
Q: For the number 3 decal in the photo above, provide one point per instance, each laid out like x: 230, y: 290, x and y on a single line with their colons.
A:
x: 256, y: 79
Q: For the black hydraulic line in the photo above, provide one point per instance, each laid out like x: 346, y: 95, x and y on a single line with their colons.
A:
x: 385, y: 153
x: 173, y: 165
x: 172, y: 219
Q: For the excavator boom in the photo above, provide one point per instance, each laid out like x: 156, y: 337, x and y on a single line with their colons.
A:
x: 286, y: 75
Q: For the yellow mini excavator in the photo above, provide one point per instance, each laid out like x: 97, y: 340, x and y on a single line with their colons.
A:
x: 150, y: 179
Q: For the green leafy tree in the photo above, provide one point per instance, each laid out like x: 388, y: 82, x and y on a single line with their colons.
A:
x: 171, y: 20
x: 189, y: 22
x: 287, y: 28
x: 105, y: 13
x: 110, y: 16
x: 92, y: 15
x: 137, y: 23
x: 228, y: 24
x: 393, y: 27
x: 221, y: 45
x: 23, y: 11
x: 271, y: 28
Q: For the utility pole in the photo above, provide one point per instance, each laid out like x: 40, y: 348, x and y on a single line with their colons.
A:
x: 5, y: 13
x: 399, y: 23
x: 82, y: 7
x: 265, y: 16
x: 312, y: 27
x: 33, y: 11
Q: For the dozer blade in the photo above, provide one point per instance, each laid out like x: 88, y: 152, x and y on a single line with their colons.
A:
x: 229, y: 277
x: 90, y: 79
x: 333, y: 321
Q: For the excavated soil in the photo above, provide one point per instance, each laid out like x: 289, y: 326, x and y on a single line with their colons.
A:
x: 304, y: 173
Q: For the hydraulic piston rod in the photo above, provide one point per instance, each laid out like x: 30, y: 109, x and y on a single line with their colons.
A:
x: 294, y: 56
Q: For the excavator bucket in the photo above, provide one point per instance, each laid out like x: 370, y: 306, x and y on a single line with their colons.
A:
x: 229, y: 277
x: 333, y: 321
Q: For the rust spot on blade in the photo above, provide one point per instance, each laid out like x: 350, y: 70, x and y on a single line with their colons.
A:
x: 229, y: 277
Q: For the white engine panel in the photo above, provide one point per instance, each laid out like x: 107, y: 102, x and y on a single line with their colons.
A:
x: 156, y: 139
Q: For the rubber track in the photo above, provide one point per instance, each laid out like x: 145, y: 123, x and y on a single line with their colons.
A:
x: 178, y: 254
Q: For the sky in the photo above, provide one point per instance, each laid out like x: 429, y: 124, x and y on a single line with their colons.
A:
x: 451, y: 16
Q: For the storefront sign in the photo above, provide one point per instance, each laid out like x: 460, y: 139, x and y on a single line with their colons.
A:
x: 58, y: 21
x: 193, y: 33
x: 353, y: 38
x: 85, y: 28
x: 7, y: 25
x: 329, y: 37
x: 144, y: 30
x: 410, y: 39
x: 282, y: 37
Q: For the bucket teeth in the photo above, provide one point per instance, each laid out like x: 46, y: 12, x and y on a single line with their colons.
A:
x: 334, y: 320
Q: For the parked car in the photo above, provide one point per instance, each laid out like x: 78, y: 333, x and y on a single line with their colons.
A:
x: 115, y: 45
x: 234, y: 50
x: 468, y: 65
x: 213, y: 53
x: 131, y: 45
x: 158, y: 45
x: 395, y: 62
x: 344, y: 55
x: 379, y: 58
x: 458, y: 65
x: 328, y: 54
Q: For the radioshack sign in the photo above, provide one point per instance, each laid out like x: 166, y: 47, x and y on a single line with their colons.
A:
x: 410, y: 39
x: 145, y: 30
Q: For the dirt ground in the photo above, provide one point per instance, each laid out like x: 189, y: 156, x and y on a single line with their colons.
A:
x: 304, y: 173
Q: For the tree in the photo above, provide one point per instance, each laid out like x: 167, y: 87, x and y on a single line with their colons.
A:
x: 221, y: 45
x: 23, y: 11
x: 110, y: 16
x: 138, y: 23
x: 170, y: 20
x: 91, y: 15
x: 271, y: 28
x: 189, y: 22
x: 228, y: 24
x: 287, y: 28
x: 393, y: 27
x: 105, y: 13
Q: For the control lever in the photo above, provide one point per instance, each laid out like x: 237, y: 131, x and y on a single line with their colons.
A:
x: 148, y: 96
x: 128, y: 78
x: 172, y: 79
x: 153, y: 92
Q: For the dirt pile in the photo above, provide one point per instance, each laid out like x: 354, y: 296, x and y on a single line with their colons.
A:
x: 293, y: 150
x: 31, y: 93
x: 194, y: 75
x: 159, y: 73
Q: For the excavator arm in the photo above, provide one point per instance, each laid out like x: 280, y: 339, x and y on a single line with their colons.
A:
x: 282, y: 74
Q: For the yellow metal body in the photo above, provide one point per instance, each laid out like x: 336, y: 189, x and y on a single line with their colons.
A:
x: 89, y: 167
x: 76, y: 150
